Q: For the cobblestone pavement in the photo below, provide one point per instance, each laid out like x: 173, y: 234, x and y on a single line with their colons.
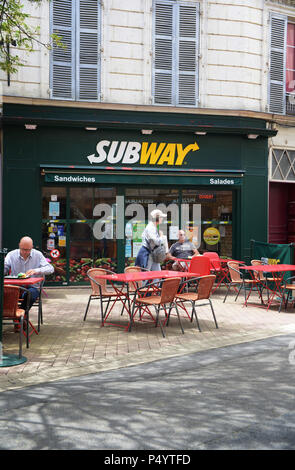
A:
x: 67, y: 346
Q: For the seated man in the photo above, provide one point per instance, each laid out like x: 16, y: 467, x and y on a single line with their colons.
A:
x: 29, y: 261
x: 184, y: 249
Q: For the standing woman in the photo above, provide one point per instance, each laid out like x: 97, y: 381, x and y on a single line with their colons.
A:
x: 151, y: 237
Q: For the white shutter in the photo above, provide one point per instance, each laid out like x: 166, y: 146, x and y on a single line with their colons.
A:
x: 88, y: 36
x: 62, y: 58
x: 278, y: 34
x: 188, y: 54
x: 163, y: 53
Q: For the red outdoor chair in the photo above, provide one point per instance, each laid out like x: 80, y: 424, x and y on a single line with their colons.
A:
x: 202, y: 292
x: 220, y: 271
x: 200, y: 265
x: 12, y: 314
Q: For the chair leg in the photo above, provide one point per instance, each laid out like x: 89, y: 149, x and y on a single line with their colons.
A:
x: 242, y: 285
x: 194, y: 312
x: 20, y: 352
x: 228, y: 289
x: 282, y: 298
x: 132, y: 316
x: 159, y: 321
x: 85, y: 315
x: 213, y: 313
x: 40, y: 311
x: 175, y: 305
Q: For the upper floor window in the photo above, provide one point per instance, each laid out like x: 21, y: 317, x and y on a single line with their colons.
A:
x: 282, y: 65
x: 175, y: 54
x: 74, y: 68
x: 282, y: 165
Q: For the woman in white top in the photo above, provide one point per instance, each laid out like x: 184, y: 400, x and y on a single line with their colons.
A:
x: 151, y: 237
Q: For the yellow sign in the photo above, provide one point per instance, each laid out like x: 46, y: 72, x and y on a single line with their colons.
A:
x: 211, y: 236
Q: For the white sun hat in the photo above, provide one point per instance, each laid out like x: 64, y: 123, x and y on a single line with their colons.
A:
x: 157, y: 213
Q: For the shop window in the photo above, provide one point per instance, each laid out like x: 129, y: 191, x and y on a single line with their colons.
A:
x: 81, y: 207
x: 75, y: 67
x: 82, y: 231
x: 54, y: 203
x: 214, y: 233
x: 282, y: 65
x: 176, y: 50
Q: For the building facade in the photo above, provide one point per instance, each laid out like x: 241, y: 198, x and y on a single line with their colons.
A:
x: 181, y: 103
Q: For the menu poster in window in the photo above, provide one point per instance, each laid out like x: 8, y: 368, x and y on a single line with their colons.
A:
x: 173, y: 232
x: 50, y: 243
x: 53, y: 209
x: 62, y: 240
x: 128, y: 248
x: 138, y: 228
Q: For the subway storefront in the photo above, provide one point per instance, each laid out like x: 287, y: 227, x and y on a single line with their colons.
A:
x: 82, y: 183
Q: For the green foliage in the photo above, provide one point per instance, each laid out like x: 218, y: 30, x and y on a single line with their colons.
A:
x: 16, y: 32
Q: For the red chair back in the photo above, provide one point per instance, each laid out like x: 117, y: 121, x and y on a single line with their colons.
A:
x: 214, y: 258
x: 200, y: 265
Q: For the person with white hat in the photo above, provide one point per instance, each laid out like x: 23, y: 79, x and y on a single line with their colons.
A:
x: 152, y: 237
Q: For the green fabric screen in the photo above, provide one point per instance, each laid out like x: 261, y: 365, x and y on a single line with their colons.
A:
x: 274, y: 253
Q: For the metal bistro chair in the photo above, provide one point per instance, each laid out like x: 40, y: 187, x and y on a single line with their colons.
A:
x: 100, y: 291
x: 202, y: 292
x: 38, y: 304
x: 289, y: 288
x: 14, y: 315
x: 163, y: 301
x: 237, y: 278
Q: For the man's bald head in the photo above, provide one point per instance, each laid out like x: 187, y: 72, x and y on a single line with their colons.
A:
x: 25, y: 246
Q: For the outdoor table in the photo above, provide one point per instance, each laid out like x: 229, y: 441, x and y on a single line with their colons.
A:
x: 124, y: 279
x: 277, y: 271
x: 25, y: 282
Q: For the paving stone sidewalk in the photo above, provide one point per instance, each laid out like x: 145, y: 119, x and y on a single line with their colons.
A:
x: 69, y: 347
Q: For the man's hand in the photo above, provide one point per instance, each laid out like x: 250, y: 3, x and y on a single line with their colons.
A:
x: 30, y: 272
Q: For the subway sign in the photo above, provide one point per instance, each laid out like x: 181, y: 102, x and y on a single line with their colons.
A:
x: 141, y: 153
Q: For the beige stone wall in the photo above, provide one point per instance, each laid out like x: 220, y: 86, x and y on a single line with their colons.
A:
x: 233, y: 67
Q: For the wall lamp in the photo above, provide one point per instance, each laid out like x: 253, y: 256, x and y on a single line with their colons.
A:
x: 91, y: 128
x: 146, y: 131
x: 252, y: 136
x: 31, y: 127
x: 200, y: 133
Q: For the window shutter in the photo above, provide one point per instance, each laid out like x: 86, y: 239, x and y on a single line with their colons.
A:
x: 62, y: 58
x: 88, y: 35
x: 278, y: 31
x: 188, y: 54
x: 176, y: 43
x: 163, y: 53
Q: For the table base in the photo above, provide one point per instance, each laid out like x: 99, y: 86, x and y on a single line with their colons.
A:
x: 9, y: 360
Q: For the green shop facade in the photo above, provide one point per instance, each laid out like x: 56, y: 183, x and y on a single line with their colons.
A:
x: 82, y: 182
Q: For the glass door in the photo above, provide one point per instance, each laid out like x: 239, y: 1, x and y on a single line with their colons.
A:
x: 139, y: 203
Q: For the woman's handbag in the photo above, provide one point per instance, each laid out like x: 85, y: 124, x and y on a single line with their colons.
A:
x: 158, y: 253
